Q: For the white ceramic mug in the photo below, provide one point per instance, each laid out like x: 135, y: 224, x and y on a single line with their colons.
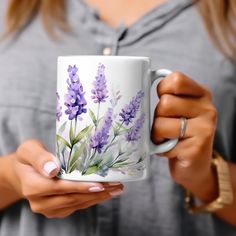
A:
x: 103, y: 118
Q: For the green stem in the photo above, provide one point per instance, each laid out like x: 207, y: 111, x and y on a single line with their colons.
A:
x: 91, y: 158
x: 68, y: 163
x: 75, y: 126
x: 120, y: 154
x: 63, y: 158
x: 72, y: 143
x: 97, y: 115
x: 88, y: 161
x: 114, y: 137
x: 114, y: 161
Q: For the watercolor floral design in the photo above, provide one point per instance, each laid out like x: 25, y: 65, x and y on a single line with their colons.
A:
x: 98, y: 147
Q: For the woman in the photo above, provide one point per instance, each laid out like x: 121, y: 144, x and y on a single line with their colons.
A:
x: 173, y: 35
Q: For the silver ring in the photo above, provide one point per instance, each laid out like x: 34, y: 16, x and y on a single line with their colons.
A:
x: 183, y: 125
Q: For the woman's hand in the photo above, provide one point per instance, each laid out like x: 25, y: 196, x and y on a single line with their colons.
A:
x: 34, y: 170
x: 190, y: 160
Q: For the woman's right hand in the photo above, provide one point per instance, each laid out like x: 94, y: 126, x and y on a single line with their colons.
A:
x: 34, y: 170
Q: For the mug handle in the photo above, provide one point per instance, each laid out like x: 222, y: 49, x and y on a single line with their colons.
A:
x: 171, y: 143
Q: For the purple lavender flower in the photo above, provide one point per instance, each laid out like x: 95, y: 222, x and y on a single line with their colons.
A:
x: 134, y: 133
x: 72, y: 70
x: 74, y: 100
x: 130, y: 110
x: 101, y: 135
x: 59, y: 108
x: 100, y: 92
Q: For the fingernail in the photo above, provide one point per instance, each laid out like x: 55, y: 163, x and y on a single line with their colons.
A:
x: 114, y: 183
x: 96, y: 189
x: 116, y: 193
x: 49, y: 167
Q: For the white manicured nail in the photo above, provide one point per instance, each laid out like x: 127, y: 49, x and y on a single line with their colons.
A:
x: 49, y: 167
x: 116, y: 193
x: 96, y: 189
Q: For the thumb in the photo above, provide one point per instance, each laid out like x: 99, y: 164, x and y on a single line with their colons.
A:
x: 32, y: 152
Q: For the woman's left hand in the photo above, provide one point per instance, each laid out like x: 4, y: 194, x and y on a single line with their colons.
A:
x: 190, y: 160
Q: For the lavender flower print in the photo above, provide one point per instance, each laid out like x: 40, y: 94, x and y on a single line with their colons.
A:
x: 100, y: 92
x: 74, y: 100
x: 72, y: 70
x: 59, y: 108
x: 105, y: 142
x: 130, y: 110
x: 101, y: 135
x: 134, y: 133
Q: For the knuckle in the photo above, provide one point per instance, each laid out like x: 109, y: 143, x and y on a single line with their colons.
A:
x: 36, y: 208
x: 21, y: 149
x: 174, y: 82
x: 164, y: 104
x: 25, y: 145
x: 178, y: 79
x: 212, y: 113
x: 26, y: 193
x: 210, y: 131
x: 27, y: 190
x: 40, y: 156
x: 207, y: 126
x: 208, y: 93
x: 177, y: 76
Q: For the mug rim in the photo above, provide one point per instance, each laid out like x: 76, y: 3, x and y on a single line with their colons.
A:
x: 107, y: 57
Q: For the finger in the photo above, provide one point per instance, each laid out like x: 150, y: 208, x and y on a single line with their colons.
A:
x: 47, y: 187
x: 71, y: 200
x: 31, y: 152
x: 70, y: 210
x: 93, y: 202
x: 174, y: 106
x: 59, y: 202
x: 168, y: 128
x: 179, y: 84
x: 63, y: 186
